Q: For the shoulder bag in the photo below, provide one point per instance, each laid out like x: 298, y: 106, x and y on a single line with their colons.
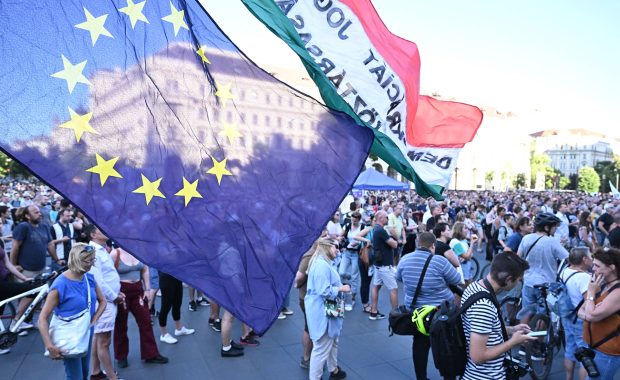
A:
x: 72, y: 334
x: 400, y: 322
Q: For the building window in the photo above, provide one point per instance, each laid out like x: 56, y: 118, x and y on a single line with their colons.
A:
x: 267, y: 120
x: 255, y: 119
x: 279, y: 120
x: 229, y: 116
x: 267, y: 99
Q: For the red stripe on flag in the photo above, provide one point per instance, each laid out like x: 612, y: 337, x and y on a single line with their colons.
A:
x: 443, y: 124
x: 401, y: 55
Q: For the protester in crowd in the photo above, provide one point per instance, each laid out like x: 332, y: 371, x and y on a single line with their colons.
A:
x: 486, y: 347
x: 542, y: 252
x: 576, y: 278
x: 31, y: 241
x: 7, y: 228
x: 600, y: 312
x: 523, y: 227
x: 396, y: 229
x: 463, y: 249
x: 383, y: 245
x: 604, y: 222
x: 585, y: 236
x: 171, y: 299
x: 133, y: 274
x: 301, y: 283
x: 323, y: 285
x: 349, y: 267
x: 63, y: 234
x: 411, y: 229
x: 334, y: 229
x: 434, y: 290
x: 614, y: 234
x: 108, y: 280
x: 443, y: 235
x: 366, y: 267
x: 68, y: 296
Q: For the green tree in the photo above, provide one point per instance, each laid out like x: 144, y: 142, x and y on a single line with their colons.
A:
x: 608, y: 171
x: 539, y: 163
x: 520, y: 181
x: 589, y: 180
x: 564, y: 182
x: 8, y: 166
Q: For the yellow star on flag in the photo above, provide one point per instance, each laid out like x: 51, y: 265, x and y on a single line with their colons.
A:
x: 71, y: 73
x: 189, y: 191
x: 105, y: 169
x: 79, y: 124
x: 95, y: 26
x: 176, y: 18
x: 223, y: 92
x: 201, y: 53
x: 219, y: 169
x: 230, y: 132
x: 149, y: 189
x: 135, y: 12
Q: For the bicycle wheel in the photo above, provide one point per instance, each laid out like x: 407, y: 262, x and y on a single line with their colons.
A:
x: 539, y: 353
x: 475, y: 268
x: 510, y: 307
x: 7, y: 313
x: 485, y: 271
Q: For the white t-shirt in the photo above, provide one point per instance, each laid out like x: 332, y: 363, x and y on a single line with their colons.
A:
x: 576, y: 286
x: 334, y: 229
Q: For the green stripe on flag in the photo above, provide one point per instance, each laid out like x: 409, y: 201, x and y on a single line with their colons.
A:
x: 272, y: 17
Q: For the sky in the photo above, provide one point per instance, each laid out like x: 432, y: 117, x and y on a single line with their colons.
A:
x: 553, y: 62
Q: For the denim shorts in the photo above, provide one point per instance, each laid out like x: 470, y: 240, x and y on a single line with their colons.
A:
x: 154, y: 278
x: 529, y: 303
x: 574, y: 337
x: 607, y: 365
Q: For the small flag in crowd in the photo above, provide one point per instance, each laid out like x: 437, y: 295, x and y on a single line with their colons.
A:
x: 148, y: 118
x: 363, y: 69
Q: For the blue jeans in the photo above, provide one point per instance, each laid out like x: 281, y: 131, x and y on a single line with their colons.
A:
x: 574, y: 336
x: 77, y: 368
x: 530, y: 302
x: 349, y: 265
x: 607, y: 365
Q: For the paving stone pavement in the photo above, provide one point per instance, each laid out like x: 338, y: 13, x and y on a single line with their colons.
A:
x: 365, y: 352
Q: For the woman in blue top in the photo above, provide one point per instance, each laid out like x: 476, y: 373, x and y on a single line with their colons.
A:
x: 67, y: 297
x: 324, y: 284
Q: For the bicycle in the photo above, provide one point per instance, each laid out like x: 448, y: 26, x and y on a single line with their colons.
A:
x: 485, y: 271
x: 539, y: 355
x: 475, y: 268
x: 8, y: 336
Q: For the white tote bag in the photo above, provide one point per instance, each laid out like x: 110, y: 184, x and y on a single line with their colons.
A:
x: 72, y: 334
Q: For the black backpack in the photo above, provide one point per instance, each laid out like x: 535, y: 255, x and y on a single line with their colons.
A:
x: 448, y: 342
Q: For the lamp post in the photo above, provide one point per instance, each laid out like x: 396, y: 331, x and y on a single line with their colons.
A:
x: 456, y: 177
x: 603, y: 184
x: 474, y: 173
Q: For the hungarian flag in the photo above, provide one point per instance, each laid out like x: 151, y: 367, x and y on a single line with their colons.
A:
x: 363, y: 69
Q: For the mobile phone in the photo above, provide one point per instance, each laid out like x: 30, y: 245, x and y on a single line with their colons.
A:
x: 537, y: 333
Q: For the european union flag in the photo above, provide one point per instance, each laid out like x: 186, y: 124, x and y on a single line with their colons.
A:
x: 146, y: 116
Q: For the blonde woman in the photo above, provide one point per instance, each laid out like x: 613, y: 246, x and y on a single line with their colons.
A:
x: 67, y: 297
x: 324, y: 285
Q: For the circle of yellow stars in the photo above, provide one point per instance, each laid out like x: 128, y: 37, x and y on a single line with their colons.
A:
x: 80, y: 124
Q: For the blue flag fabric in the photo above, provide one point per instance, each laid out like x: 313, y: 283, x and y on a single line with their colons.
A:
x: 148, y: 118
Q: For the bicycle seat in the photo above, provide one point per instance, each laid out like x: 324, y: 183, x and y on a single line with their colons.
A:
x: 544, y: 286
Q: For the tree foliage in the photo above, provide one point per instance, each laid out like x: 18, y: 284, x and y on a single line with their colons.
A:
x: 589, y: 180
x: 539, y: 163
x: 520, y: 181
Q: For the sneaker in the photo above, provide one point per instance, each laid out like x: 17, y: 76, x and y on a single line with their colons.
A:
x: 203, y: 302
x: 193, y: 306
x: 305, y: 364
x: 236, y: 345
x: 98, y: 376
x: 281, y: 316
x: 23, y: 326
x: 216, y: 324
x: 287, y: 311
x: 159, y: 359
x: 122, y: 363
x: 376, y: 316
x: 184, y: 331
x: 340, y: 374
x: 253, y: 334
x: 158, y: 293
x: 4, y: 351
x: 23, y: 333
x: 167, y: 339
x: 249, y: 341
x: 231, y: 353
x: 348, y: 307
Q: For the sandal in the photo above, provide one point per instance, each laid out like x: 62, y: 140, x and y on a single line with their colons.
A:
x: 366, y: 309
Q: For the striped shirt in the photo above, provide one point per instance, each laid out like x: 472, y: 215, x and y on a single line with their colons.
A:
x: 481, y: 318
x: 439, y: 274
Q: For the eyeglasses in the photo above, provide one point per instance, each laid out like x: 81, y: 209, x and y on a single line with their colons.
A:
x: 91, y: 261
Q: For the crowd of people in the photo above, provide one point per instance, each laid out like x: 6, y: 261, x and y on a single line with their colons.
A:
x: 378, y: 240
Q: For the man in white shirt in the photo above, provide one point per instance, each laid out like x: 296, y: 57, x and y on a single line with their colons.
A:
x: 108, y: 280
x: 562, y: 231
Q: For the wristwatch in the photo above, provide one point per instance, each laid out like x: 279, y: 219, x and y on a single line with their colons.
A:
x: 590, y: 298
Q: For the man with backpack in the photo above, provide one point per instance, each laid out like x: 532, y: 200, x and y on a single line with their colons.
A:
x: 486, y: 336
x: 576, y: 278
x: 425, y: 289
x: 542, y: 252
x: 349, y: 267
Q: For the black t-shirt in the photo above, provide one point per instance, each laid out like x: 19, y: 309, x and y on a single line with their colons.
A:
x: 379, y: 239
x: 607, y: 220
x: 441, y: 248
x: 430, y: 224
x: 614, y: 238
